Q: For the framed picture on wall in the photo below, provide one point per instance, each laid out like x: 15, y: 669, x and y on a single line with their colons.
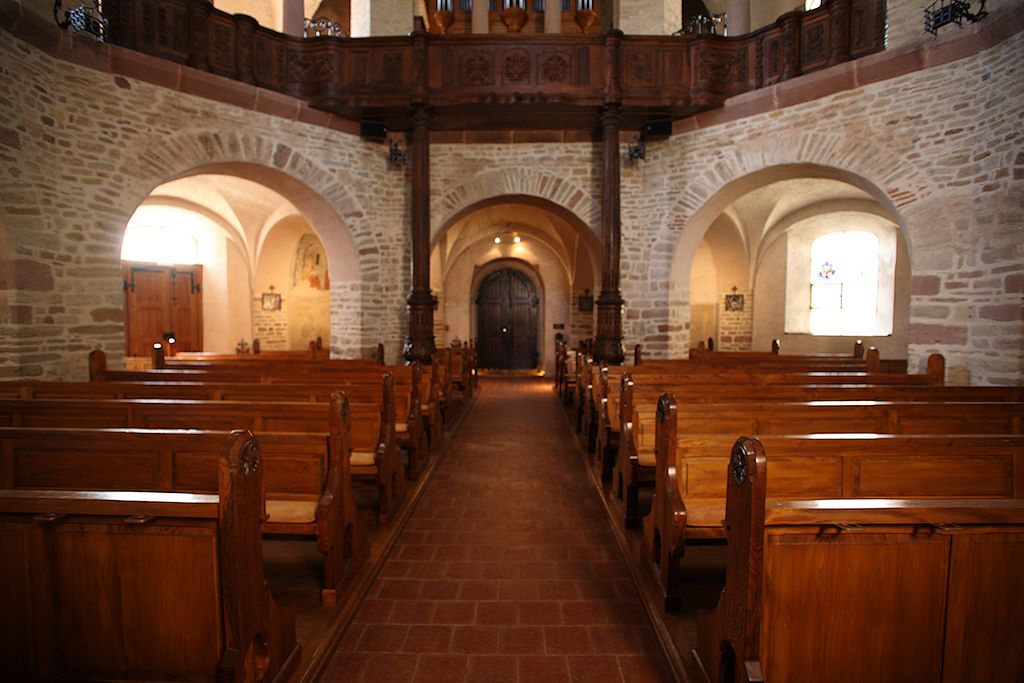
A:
x: 734, y: 302
x: 271, y: 302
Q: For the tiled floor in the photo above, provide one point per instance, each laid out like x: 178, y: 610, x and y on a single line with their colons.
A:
x: 506, y: 570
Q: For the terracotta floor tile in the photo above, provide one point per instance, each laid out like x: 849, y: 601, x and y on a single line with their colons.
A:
x: 492, y: 669
x: 496, y: 613
x: 595, y: 669
x: 428, y: 639
x: 568, y: 640
x: 475, y: 639
x: 543, y: 670
x: 441, y: 668
x: 521, y: 640
x: 506, y: 570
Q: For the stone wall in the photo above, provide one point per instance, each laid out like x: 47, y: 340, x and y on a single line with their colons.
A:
x: 736, y: 327
x: 946, y: 157
x: 80, y: 148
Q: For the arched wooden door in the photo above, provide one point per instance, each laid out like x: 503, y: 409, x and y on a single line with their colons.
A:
x: 506, y: 317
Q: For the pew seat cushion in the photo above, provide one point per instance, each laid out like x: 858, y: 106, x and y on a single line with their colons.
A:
x: 401, y: 427
x: 362, y: 458
x: 646, y: 457
x: 291, y: 511
x: 704, y: 519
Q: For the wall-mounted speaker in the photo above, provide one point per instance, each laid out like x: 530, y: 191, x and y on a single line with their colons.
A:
x: 657, y: 129
x: 373, y: 131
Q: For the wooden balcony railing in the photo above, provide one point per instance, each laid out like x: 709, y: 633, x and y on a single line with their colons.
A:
x: 501, y: 81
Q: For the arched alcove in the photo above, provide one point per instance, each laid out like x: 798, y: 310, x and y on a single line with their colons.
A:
x: 533, y: 235
x: 250, y: 232
x: 750, y: 224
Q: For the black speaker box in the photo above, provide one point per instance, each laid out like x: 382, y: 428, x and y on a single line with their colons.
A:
x: 658, y: 129
x: 373, y: 131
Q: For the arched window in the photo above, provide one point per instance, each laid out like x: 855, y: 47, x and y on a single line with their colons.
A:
x: 811, y: 4
x: 841, y: 282
x: 159, y: 244
x: 844, y: 283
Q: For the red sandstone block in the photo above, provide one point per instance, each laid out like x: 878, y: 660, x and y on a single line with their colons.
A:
x: 574, y: 570
x: 412, y: 612
x: 499, y: 570
x: 451, y: 553
x: 593, y: 668
x: 428, y: 639
x: 568, y: 640
x: 603, y: 589
x: 307, y: 114
x: 519, y: 554
x: 218, y: 88
x: 478, y: 590
x: 538, y: 570
x: 888, y: 64
x: 925, y: 333
x: 428, y: 570
x: 1014, y: 284
x: 374, y: 611
x: 439, y: 590
x: 475, y: 639
x: 554, y: 669
x: 492, y: 669
x: 924, y: 285
x: 416, y: 552
x: 382, y: 638
x: 277, y: 104
x: 816, y: 85
x: 521, y: 640
x: 1002, y: 312
x: 441, y: 668
x: 540, y: 613
x: 496, y: 613
x: 455, y: 612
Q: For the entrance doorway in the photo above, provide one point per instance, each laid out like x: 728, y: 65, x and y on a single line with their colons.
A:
x: 506, y: 315
x: 162, y: 301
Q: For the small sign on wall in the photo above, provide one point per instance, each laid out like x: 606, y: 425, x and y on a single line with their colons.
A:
x: 272, y: 302
x: 733, y: 302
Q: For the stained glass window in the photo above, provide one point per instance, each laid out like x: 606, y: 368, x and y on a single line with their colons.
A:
x: 844, y: 283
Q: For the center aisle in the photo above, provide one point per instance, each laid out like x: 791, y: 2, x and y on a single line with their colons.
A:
x: 507, y: 569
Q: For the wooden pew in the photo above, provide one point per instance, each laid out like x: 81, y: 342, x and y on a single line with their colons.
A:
x: 136, y: 585
x: 410, y: 418
x: 372, y: 432
x: 307, y: 483
x: 886, y: 590
x: 689, y: 500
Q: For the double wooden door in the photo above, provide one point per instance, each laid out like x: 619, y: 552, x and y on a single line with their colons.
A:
x: 161, y: 301
x: 507, y: 321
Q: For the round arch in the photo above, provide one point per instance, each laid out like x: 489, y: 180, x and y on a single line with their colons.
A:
x: 524, y: 268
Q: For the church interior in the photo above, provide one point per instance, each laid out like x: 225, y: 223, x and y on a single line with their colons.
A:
x: 443, y: 340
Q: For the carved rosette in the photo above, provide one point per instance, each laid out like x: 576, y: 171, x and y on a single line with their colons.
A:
x: 249, y: 459
x: 517, y: 66
x: 477, y: 69
x: 555, y: 68
x: 738, y: 463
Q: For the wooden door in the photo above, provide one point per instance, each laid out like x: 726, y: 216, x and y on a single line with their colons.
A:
x: 507, y: 307
x: 159, y: 301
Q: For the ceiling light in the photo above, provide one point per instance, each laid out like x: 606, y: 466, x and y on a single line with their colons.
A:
x: 497, y: 240
x: 517, y: 239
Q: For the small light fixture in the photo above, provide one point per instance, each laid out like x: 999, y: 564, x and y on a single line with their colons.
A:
x: 497, y: 240
x: 397, y: 155
x: 637, y: 150
x: 517, y: 239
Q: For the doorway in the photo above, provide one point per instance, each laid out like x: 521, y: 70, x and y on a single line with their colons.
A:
x: 506, y: 315
x: 160, y: 301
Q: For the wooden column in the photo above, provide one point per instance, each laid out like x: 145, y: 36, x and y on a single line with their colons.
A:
x: 419, y: 344
x: 608, y: 341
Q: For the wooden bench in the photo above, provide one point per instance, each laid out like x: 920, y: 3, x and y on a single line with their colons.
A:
x: 887, y: 590
x: 307, y: 448
x: 137, y: 585
x: 914, y: 461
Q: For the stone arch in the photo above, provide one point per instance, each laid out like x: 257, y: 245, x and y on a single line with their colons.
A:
x: 719, y: 185
x: 322, y: 195
x: 498, y: 185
